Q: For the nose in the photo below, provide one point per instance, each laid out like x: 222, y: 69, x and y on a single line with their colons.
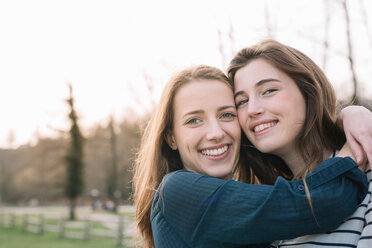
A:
x: 254, y: 107
x: 215, y: 131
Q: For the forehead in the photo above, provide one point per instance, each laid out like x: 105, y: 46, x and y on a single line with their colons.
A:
x: 204, y: 88
x: 255, y: 71
x: 202, y: 93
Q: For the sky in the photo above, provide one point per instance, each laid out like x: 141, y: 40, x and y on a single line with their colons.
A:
x: 109, y: 51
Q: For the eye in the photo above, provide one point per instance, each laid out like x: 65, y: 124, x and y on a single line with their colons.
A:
x: 241, y: 102
x: 270, y: 90
x: 193, y: 121
x: 228, y: 115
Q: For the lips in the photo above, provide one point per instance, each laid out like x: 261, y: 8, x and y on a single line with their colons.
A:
x: 215, y: 151
x: 262, y: 126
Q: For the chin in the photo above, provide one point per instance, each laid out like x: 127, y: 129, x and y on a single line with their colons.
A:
x: 222, y: 174
x: 265, y: 148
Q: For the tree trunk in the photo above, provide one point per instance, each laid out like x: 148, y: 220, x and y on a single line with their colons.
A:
x: 72, y: 208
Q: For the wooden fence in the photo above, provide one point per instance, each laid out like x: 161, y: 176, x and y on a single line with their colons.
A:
x: 81, y: 229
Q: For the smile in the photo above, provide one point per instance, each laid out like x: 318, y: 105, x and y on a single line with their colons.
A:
x: 215, y: 152
x: 263, y: 126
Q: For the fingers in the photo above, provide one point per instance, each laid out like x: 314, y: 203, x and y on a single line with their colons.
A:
x: 365, y: 141
x: 356, y: 149
x: 363, y: 167
x: 357, y: 124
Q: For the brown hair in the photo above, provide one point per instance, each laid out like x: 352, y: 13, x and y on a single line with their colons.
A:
x: 320, y: 130
x: 155, y: 158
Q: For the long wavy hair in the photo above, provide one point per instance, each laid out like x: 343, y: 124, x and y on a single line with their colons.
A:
x: 155, y: 158
x: 320, y: 131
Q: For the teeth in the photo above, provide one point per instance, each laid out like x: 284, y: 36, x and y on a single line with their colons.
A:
x: 261, y: 127
x: 214, y: 152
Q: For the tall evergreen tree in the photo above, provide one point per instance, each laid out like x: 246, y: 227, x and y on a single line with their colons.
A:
x: 74, y: 159
x: 112, y: 178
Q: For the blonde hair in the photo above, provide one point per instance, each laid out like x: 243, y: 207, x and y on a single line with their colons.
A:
x: 155, y: 158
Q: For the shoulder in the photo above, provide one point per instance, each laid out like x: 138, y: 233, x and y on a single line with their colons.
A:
x: 188, y: 179
x: 182, y: 174
x: 176, y: 178
x: 182, y: 187
x: 179, y: 174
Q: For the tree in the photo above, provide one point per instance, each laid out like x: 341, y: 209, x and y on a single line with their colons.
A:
x: 3, y: 183
x: 112, y: 179
x: 327, y: 19
x: 350, y: 55
x: 74, y: 159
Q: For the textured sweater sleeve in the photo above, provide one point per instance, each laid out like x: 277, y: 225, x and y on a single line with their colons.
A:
x: 203, y: 211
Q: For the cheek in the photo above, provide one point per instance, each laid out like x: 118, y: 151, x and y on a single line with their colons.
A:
x: 182, y: 140
x: 301, y: 109
x: 242, y: 118
x: 190, y: 139
x: 186, y: 150
x: 233, y: 130
x: 237, y: 134
x: 298, y: 117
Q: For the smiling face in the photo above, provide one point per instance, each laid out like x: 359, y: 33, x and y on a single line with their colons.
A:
x: 271, y: 108
x: 206, y: 131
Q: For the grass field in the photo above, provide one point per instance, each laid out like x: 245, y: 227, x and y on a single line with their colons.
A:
x: 16, y: 238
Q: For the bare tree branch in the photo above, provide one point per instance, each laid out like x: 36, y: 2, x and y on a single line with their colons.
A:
x: 326, y: 33
x: 350, y: 52
x: 268, y: 27
x: 365, y: 21
x: 221, y: 48
x: 232, y: 38
x: 226, y: 47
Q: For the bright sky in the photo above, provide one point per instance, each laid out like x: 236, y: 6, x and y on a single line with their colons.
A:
x: 104, y: 49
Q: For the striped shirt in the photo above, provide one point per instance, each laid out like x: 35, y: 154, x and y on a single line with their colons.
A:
x: 355, y: 231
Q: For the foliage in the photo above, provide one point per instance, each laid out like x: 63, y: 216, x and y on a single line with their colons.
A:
x: 38, y: 172
x: 33, y: 172
x: 74, y: 159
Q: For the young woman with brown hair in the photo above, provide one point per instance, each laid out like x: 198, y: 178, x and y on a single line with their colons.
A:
x: 287, y: 107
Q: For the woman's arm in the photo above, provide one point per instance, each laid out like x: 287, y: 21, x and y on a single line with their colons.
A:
x: 203, y: 210
x: 357, y: 124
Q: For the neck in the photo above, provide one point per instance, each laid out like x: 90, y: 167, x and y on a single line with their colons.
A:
x: 296, y: 163
x: 327, y: 154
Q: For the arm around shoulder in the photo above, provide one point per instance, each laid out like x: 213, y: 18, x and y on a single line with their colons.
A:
x: 199, y: 208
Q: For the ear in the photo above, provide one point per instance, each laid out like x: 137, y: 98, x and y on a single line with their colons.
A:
x: 169, y: 137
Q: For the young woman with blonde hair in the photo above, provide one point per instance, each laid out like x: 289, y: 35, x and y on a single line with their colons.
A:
x: 190, y: 150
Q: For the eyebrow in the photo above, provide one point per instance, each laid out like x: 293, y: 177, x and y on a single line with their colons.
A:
x: 193, y: 113
x: 226, y: 107
x: 259, y: 83
x: 201, y: 111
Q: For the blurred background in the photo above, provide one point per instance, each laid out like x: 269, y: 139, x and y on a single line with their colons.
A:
x: 107, y: 62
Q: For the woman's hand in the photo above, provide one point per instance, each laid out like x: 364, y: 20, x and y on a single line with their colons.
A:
x: 357, y: 124
x: 346, y: 152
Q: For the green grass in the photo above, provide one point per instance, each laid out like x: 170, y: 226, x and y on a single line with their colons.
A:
x: 93, y: 224
x: 98, y: 225
x: 131, y: 215
x: 16, y: 238
x: 52, y: 221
